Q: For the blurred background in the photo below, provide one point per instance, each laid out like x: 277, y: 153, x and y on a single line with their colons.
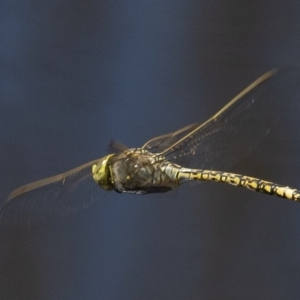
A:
x: 75, y: 74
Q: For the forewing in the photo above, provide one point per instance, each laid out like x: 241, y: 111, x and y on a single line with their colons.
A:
x: 51, y: 199
x: 236, y: 129
x: 159, y: 143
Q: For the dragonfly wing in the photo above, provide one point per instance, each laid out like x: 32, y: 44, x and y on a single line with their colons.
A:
x: 116, y: 146
x: 159, y: 143
x: 237, y: 129
x: 51, y: 199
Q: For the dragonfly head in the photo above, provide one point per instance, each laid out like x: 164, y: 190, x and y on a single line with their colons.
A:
x: 102, y: 174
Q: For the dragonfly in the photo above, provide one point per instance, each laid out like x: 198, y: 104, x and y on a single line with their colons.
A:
x: 198, y: 152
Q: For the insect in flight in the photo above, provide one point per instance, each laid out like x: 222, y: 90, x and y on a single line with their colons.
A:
x: 196, y: 152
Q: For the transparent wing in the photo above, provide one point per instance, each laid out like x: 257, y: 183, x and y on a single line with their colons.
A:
x: 237, y: 128
x: 51, y: 199
x: 116, y: 147
x: 159, y: 143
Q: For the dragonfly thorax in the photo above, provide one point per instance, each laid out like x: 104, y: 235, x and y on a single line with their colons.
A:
x: 135, y: 171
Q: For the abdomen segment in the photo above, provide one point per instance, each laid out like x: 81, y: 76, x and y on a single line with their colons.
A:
x: 251, y: 183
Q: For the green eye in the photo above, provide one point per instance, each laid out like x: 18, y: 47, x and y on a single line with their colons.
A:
x: 102, y: 174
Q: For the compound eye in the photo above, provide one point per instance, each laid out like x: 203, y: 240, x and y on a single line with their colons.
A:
x: 101, y: 172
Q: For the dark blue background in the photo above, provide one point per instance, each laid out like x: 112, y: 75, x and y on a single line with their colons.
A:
x: 75, y: 74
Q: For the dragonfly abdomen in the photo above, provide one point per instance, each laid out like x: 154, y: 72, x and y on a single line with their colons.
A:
x: 254, y: 184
